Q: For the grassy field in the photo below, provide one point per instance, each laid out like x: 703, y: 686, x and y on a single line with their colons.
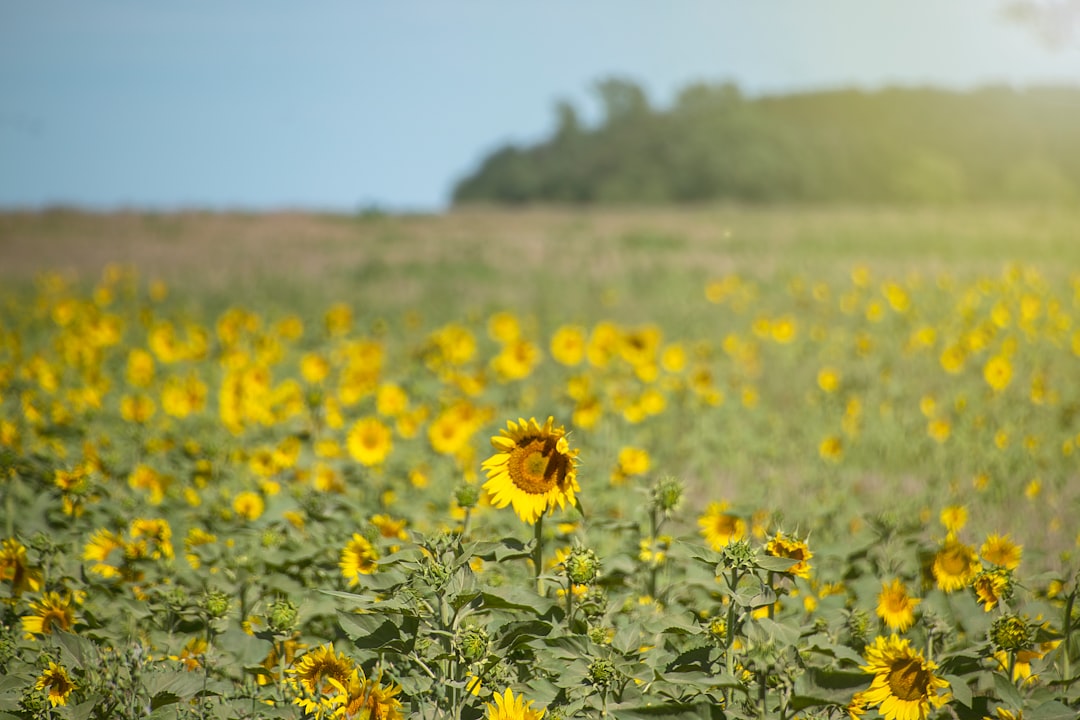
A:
x: 304, y: 404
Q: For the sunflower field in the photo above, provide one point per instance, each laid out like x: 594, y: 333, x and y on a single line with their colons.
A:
x: 785, y: 494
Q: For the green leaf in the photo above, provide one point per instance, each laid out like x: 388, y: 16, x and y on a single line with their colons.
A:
x: 775, y: 564
x: 177, y: 685
x: 1007, y: 692
x: 960, y: 690
x: 801, y: 702
x: 515, y: 634
x: 370, y: 631
x: 246, y: 650
x: 838, y: 679
x: 505, y: 549
x: 83, y: 710
x: 513, y: 598
x: 72, y: 648
x: 674, y: 711
x: 1052, y: 710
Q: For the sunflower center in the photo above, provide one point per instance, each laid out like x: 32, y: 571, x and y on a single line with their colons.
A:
x: 908, y: 680
x: 536, y: 466
x: 954, y: 562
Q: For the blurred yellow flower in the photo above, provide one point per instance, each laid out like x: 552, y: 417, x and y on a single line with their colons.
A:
x: 370, y: 442
x: 249, y: 505
x: 1000, y: 550
x: 895, y: 607
x: 720, y: 527
x: 998, y: 373
x: 955, y: 565
x: 358, y: 557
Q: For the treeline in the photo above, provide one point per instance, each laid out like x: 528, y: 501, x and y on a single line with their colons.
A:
x: 715, y: 143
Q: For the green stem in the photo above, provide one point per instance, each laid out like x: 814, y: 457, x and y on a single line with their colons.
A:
x: 569, y: 604
x: 772, y: 605
x: 465, y: 524
x: 538, y: 553
x: 1012, y: 664
x: 1066, y: 631
x: 730, y: 630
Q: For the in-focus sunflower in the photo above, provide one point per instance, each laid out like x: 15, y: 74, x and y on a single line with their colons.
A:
x: 895, y: 607
x: 507, y: 707
x: 369, y: 699
x: 359, y: 557
x: 955, y: 565
x: 720, y: 527
x: 534, y: 469
x: 52, y: 612
x: 904, y: 685
x: 788, y: 547
x: 320, y: 679
x: 57, y: 683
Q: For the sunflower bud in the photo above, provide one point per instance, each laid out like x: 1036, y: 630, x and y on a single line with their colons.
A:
x: 718, y: 629
x: 467, y: 495
x: 282, y: 616
x: 668, y: 494
x: 582, y: 566
x: 1011, y: 633
x: 599, y: 635
x: 858, y: 627
x: 215, y: 603
x: 738, y: 555
x: 472, y: 643
x: 603, y: 673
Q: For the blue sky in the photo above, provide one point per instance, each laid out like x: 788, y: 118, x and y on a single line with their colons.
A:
x: 338, y: 105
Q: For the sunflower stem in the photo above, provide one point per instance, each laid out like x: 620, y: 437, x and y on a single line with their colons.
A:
x: 538, y: 553
x: 569, y: 604
x: 1012, y: 665
x: 1066, y: 631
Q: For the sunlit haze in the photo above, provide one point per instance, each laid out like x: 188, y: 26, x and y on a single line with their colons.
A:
x: 275, y: 104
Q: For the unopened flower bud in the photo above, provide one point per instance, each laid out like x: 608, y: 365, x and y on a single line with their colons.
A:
x: 582, y: 566
x: 282, y: 616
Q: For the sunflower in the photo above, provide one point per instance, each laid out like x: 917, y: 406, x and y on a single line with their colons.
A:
x: 895, y: 607
x: 904, y: 685
x: 369, y: 699
x: 104, y: 543
x: 998, y: 373
x: 359, y: 557
x: 249, y: 505
x: 52, y: 612
x: 157, y: 534
x: 56, y: 682
x: 507, y: 707
x: 1001, y: 551
x: 320, y: 679
x: 15, y: 569
x: 954, y: 518
x: 370, y: 442
x: 720, y: 527
x: 534, y: 469
x: 955, y: 565
x: 992, y: 586
x: 788, y: 547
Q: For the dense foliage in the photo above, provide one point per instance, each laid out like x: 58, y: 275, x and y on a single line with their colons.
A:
x: 716, y: 143
x: 331, y: 513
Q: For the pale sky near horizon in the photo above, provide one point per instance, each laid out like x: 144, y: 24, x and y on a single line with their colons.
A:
x: 340, y: 105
